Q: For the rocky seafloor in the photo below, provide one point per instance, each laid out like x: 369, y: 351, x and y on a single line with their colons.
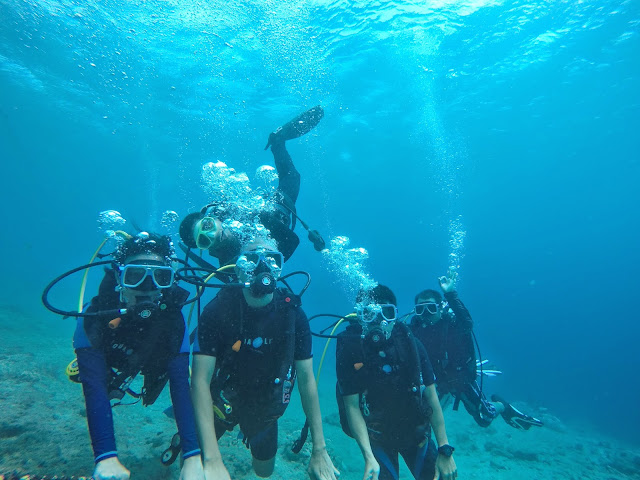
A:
x: 43, y: 428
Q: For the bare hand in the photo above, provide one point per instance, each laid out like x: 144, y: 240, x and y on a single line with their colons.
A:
x: 111, y: 469
x: 445, y: 468
x: 371, y: 469
x: 448, y: 283
x: 192, y: 469
x: 321, y: 467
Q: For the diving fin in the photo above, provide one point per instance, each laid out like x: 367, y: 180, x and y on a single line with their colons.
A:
x: 303, y: 123
x: 515, y: 417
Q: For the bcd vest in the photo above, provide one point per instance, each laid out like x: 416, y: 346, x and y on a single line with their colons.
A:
x: 409, y: 386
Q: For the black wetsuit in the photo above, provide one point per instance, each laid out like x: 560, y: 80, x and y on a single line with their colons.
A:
x: 157, y: 346
x: 451, y: 350
x: 384, y: 374
x: 279, y: 221
x: 255, y: 350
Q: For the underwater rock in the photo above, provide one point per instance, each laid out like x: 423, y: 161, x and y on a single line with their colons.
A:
x: 11, y: 430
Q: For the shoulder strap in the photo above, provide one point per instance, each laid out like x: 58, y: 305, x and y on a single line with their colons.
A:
x: 288, y: 304
x: 407, y: 350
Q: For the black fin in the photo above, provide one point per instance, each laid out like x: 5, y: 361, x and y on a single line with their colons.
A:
x: 302, y: 124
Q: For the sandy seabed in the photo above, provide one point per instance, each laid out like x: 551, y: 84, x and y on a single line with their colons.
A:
x: 43, y: 428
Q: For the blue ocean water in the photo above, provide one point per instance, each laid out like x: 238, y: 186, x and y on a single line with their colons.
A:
x: 504, y: 132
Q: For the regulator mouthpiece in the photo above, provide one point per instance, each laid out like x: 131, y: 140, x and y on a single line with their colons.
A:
x: 263, y: 284
x: 146, y: 308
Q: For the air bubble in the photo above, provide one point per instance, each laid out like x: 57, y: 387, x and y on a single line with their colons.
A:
x: 347, y: 263
x: 169, y: 220
x: 110, y: 220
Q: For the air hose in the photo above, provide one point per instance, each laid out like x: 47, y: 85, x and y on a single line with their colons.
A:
x: 298, y: 444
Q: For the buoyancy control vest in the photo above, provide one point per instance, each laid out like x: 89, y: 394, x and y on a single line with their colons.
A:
x: 145, y: 346
x: 256, y: 366
x: 407, y: 384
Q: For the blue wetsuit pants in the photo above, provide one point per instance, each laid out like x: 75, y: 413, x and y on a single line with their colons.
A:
x: 420, y: 460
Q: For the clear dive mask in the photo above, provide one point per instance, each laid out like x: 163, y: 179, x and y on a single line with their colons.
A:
x: 248, y: 262
x: 134, y: 275
x: 431, y: 308
x: 369, y: 313
x: 260, y: 269
x: 377, y: 321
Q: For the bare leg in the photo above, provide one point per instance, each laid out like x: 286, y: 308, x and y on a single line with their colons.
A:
x: 264, y: 468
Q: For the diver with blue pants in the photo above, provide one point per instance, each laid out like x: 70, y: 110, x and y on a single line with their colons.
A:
x: 386, y: 394
x: 150, y: 337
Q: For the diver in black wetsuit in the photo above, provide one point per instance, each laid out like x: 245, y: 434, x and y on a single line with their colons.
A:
x: 447, y: 335
x: 204, y: 229
x: 386, y: 395
x: 252, y: 345
x: 150, y: 338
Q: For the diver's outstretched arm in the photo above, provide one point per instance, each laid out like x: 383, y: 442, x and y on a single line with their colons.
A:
x: 289, y: 182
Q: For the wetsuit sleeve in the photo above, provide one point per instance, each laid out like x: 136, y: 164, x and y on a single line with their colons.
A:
x: 350, y: 379
x: 428, y: 377
x: 183, y: 408
x: 93, y: 375
x: 179, y: 340
x: 208, y: 332
x: 463, y: 317
x: 303, y: 349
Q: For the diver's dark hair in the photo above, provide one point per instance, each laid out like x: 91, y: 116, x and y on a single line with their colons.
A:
x: 186, y: 228
x: 428, y: 293
x: 145, y: 242
x: 380, y: 294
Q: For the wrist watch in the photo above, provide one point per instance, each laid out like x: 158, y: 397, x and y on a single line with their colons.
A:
x: 446, y: 450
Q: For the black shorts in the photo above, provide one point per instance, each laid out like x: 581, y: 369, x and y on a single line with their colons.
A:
x: 260, y: 434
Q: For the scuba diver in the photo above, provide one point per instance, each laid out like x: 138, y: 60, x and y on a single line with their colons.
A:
x: 149, y: 336
x: 446, y: 331
x: 386, y: 395
x: 251, y: 345
x: 204, y: 229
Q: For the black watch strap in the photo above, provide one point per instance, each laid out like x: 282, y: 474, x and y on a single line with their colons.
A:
x: 446, y: 450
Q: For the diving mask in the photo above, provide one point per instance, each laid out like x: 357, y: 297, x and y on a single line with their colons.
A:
x: 429, y: 307
x: 260, y: 270
x: 369, y: 313
x: 133, y: 275
x: 248, y: 261
x: 377, y: 321
x: 205, y: 231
